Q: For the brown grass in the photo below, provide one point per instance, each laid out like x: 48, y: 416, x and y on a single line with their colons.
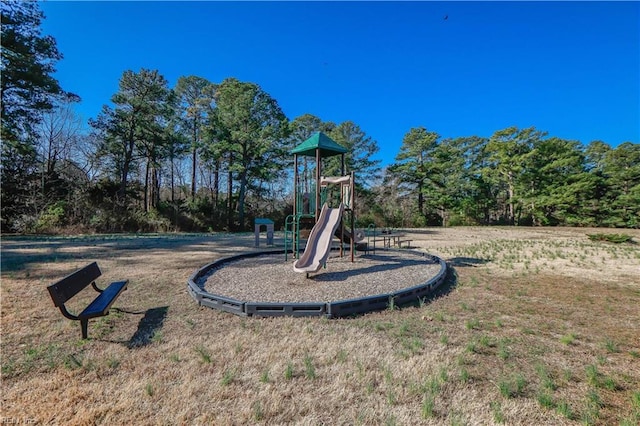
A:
x: 539, y: 327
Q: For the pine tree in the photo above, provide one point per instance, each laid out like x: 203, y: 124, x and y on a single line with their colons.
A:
x: 28, y: 89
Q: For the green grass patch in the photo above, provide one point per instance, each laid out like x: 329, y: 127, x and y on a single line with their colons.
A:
x: 391, y: 397
x: 228, y: 376
x: 609, y: 384
x: 485, y: 341
x: 563, y: 408
x: 288, y: 372
x: 634, y: 418
x: 113, y: 362
x: 635, y: 401
x: 427, y: 408
x: 546, y: 381
x: 503, y: 349
x: 611, y: 346
x: 591, y: 412
x: 264, y: 377
x: 444, y: 339
x: 205, y: 356
x: 496, y: 410
x: 630, y: 421
x: 258, y: 412
x: 472, y: 324
x: 545, y: 400
x: 309, y: 368
x: 611, y: 238
x: 593, y: 375
x: 465, y: 377
x: 73, y: 361
x: 568, y: 339
x: 513, y: 386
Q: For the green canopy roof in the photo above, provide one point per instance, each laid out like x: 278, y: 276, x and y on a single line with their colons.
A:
x: 328, y: 147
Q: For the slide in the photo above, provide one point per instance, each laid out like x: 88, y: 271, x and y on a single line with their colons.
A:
x: 318, y: 246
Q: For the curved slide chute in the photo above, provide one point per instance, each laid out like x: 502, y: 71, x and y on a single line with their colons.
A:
x: 318, y: 246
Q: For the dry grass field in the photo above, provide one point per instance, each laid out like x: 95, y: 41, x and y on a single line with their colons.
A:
x: 534, y: 326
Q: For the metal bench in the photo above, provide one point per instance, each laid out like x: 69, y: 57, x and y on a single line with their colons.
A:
x: 63, y: 290
x: 399, y: 242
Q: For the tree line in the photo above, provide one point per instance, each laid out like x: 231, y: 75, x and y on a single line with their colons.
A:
x: 203, y: 156
x: 516, y: 177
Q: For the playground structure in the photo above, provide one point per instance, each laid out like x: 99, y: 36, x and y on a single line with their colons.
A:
x: 315, y: 207
x: 309, y: 195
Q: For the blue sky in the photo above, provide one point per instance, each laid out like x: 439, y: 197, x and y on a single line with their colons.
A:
x: 569, y: 68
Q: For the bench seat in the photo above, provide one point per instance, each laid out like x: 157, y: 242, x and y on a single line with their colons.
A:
x: 101, y: 304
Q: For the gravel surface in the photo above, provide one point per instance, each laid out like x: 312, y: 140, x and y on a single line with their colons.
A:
x: 269, y: 278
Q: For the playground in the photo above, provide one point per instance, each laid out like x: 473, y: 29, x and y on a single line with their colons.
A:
x: 264, y: 284
x: 371, y: 275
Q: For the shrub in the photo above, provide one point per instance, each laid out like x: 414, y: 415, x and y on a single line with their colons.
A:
x: 51, y: 217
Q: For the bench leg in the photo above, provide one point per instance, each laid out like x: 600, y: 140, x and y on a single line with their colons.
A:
x: 84, y: 323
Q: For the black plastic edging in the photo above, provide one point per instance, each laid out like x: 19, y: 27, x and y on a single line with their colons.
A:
x: 334, y: 309
x: 361, y: 305
x: 269, y: 309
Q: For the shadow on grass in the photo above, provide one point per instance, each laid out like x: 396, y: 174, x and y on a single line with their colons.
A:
x: 466, y: 261
x: 19, y: 253
x: 419, y: 231
x: 148, y: 326
x: 448, y: 285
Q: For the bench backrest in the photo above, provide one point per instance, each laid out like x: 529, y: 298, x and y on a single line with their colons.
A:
x: 72, y: 284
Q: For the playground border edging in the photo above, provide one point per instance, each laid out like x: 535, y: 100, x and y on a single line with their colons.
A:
x: 333, y: 309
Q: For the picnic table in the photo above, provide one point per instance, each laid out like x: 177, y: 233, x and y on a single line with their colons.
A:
x: 391, y: 239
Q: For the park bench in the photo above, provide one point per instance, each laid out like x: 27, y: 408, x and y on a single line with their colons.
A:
x: 63, y: 290
x: 400, y: 241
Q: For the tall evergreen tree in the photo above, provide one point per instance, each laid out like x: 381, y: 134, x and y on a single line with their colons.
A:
x: 255, y: 130
x: 27, y: 89
x: 195, y: 99
x: 304, y: 126
x: 448, y: 179
x: 555, y: 182
x: 477, y: 202
x: 359, y: 158
x: 595, y: 155
x: 28, y: 62
x: 507, y: 150
x: 134, y: 129
x: 622, y: 172
x: 413, y: 162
